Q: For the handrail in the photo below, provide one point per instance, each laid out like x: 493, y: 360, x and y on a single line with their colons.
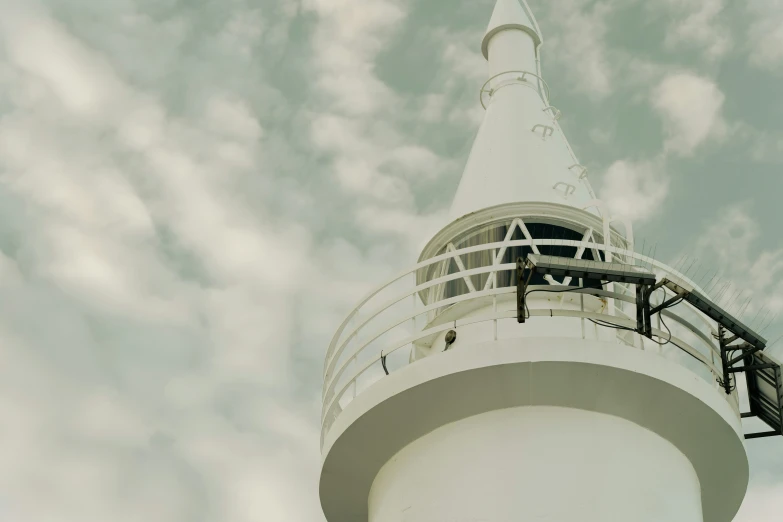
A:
x: 331, y: 380
x: 421, y: 311
x: 521, y: 81
x: 424, y: 286
x: 539, y: 312
x: 340, y: 357
x: 490, y: 246
x: 387, y: 327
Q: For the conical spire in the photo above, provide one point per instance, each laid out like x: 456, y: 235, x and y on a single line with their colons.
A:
x: 520, y: 153
x: 508, y: 14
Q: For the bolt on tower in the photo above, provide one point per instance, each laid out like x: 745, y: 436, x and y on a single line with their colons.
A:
x: 532, y: 365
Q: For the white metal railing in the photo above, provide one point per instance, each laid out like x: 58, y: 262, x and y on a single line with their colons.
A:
x: 403, y: 313
x: 512, y: 78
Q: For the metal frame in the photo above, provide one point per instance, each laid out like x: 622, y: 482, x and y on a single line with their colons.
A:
x: 332, y: 393
x: 348, y: 350
x: 603, y: 271
x: 767, y: 409
x: 766, y: 405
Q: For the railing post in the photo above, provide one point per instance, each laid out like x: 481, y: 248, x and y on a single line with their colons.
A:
x: 354, y: 363
x: 582, y: 306
x: 495, y: 313
x: 413, y: 317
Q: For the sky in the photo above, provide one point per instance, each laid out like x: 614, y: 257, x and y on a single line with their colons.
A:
x: 194, y: 193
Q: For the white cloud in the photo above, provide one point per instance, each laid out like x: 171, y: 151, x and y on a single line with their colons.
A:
x: 461, y: 54
x: 418, y: 229
x: 82, y: 82
x: 232, y: 118
x: 459, y: 72
x: 766, y: 147
x: 348, y: 37
x: 416, y: 161
x: 576, y: 39
x: 730, y: 241
x: 142, y: 260
x: 160, y: 335
x: 765, y: 34
x: 691, y: 107
x: 696, y: 23
x: 600, y: 136
x: 356, y: 124
x: 173, y: 361
x: 345, y: 45
x: 635, y: 190
x: 761, y: 504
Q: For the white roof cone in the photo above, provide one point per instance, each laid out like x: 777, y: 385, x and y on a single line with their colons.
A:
x: 478, y: 417
x: 520, y: 152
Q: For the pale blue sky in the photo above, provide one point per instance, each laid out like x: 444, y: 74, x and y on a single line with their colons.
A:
x: 193, y: 193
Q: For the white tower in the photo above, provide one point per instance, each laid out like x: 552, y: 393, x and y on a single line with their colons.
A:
x: 439, y: 406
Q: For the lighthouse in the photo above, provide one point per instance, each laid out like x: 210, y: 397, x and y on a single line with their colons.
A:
x: 533, y: 365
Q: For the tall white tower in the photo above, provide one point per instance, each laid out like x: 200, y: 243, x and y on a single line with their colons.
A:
x: 439, y: 406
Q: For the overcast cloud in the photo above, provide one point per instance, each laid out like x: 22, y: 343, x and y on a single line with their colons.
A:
x: 194, y: 193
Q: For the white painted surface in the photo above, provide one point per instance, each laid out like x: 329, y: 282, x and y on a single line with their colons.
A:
x: 511, y: 50
x: 537, y: 464
x: 509, y: 162
x: 638, y: 386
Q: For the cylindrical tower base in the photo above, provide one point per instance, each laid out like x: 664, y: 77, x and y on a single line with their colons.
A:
x: 537, y: 463
x: 539, y: 429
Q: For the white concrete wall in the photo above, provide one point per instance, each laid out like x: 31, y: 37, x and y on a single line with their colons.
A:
x: 537, y: 463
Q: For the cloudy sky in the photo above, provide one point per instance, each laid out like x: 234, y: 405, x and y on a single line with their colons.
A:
x: 193, y: 193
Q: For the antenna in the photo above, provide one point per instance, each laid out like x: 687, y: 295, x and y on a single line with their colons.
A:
x: 775, y: 341
x: 742, y: 310
x: 752, y: 321
x: 764, y: 318
x: 687, y: 270
x: 721, y: 291
x: 644, y: 242
x: 739, y: 298
x: 652, y: 257
x: 681, y: 260
x: 769, y: 323
x: 707, y: 284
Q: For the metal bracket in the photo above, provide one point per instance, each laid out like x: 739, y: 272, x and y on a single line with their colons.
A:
x: 556, y: 114
x: 644, y: 316
x: 547, y: 130
x: 583, y: 173
x: 745, y: 356
x: 522, y: 283
x: 485, y: 93
x: 569, y: 189
x: 741, y: 349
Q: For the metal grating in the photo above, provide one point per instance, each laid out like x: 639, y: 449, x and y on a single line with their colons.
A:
x: 765, y: 392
